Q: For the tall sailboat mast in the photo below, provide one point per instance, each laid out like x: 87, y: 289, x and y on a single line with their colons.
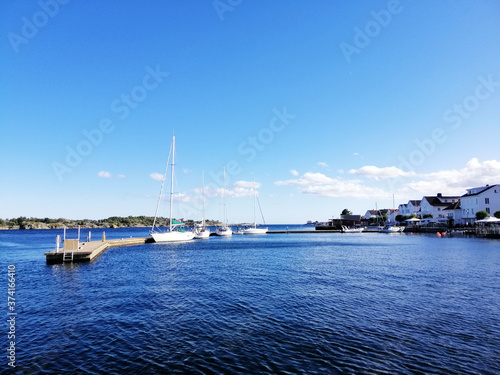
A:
x: 203, y: 197
x: 172, y: 183
x: 224, y: 201
x: 254, y: 205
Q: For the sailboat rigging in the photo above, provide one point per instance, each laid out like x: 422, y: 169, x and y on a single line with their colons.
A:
x: 176, y: 231
x: 254, y: 229
x: 224, y: 230
x: 200, y: 230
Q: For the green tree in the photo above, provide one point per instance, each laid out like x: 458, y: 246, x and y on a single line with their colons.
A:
x: 345, y: 211
x: 480, y: 215
x: 497, y: 214
x: 428, y: 216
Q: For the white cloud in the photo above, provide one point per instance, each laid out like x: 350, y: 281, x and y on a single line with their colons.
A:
x: 240, y: 192
x: 322, y: 185
x: 156, y: 176
x: 121, y: 176
x: 183, y: 197
x: 294, y: 172
x: 372, y: 171
x: 453, y: 181
x: 104, y: 174
x: 474, y: 174
x: 323, y: 164
x: 404, y: 185
x: 236, y: 192
x: 247, y: 184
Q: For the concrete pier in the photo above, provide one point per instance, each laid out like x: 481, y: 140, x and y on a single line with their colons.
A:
x: 75, y: 251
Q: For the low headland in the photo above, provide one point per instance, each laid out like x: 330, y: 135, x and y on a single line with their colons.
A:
x: 111, y: 222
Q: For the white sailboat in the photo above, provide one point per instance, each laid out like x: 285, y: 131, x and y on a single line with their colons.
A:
x: 200, y: 230
x: 176, y: 231
x: 224, y: 230
x: 254, y: 229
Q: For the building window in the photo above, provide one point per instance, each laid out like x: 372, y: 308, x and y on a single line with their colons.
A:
x: 486, y: 200
x: 487, y: 209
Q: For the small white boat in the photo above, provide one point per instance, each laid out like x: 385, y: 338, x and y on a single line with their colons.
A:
x: 254, y: 229
x: 391, y: 229
x: 176, y: 232
x: 352, y: 230
x: 225, y: 230
x: 201, y: 232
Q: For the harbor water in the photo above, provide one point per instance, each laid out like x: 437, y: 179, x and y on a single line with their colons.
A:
x: 325, y: 303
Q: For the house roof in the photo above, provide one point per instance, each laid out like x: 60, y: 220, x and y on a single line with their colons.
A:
x: 350, y: 217
x: 436, y: 201
x: 483, y: 189
x: 415, y: 202
x: 454, y: 206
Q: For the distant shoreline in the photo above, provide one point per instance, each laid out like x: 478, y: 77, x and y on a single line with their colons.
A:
x: 23, y: 223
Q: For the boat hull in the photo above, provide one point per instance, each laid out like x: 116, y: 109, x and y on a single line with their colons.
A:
x: 352, y: 230
x: 255, y: 231
x: 173, y: 236
x: 202, y: 234
x: 224, y: 232
x: 391, y: 229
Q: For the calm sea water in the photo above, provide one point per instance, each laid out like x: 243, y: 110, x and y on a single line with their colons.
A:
x: 276, y: 304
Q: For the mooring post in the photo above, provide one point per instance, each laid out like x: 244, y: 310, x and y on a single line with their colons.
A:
x: 58, y: 241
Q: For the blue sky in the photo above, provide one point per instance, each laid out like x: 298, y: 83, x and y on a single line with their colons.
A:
x: 325, y: 104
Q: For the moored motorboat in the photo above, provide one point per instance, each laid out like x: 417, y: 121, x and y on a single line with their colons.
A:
x: 352, y: 230
x: 391, y: 229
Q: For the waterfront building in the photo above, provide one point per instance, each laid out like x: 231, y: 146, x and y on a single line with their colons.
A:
x: 435, y: 206
x: 485, y: 198
x: 391, y: 215
x: 454, y: 213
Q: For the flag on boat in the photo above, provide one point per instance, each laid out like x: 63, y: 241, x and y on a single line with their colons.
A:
x: 176, y: 222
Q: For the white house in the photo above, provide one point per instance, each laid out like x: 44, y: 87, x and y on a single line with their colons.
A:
x: 485, y: 198
x: 435, y: 206
x: 391, y: 214
x: 372, y: 213
x: 410, y: 208
x: 454, y: 213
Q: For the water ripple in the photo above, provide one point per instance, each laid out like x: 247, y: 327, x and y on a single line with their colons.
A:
x: 286, y: 304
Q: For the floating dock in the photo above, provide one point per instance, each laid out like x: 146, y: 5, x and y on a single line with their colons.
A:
x: 76, y: 251
x: 305, y: 231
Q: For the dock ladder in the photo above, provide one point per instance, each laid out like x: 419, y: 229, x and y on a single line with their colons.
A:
x: 69, y: 248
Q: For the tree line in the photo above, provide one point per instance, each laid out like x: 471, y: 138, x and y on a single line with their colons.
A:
x: 23, y: 222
